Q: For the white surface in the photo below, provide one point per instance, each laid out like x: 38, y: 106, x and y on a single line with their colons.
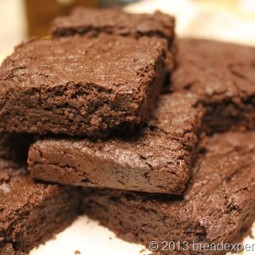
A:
x: 198, y: 19
x: 89, y: 238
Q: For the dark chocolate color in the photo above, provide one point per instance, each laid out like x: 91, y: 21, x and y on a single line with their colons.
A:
x: 220, y: 99
x: 157, y: 159
x: 81, y: 86
x: 95, y: 21
x: 31, y: 213
x: 218, y: 206
x: 222, y: 75
x: 15, y: 146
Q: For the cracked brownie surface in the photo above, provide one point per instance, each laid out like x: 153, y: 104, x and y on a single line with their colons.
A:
x: 156, y: 159
x: 94, y: 21
x: 207, y: 97
x: 31, y: 213
x: 222, y: 75
x: 218, y: 206
x: 81, y: 86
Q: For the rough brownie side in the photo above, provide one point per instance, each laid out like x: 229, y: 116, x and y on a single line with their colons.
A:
x: 15, y: 146
x: 81, y: 86
x: 95, y: 21
x: 30, y: 212
x: 223, y: 77
x: 219, y: 205
x: 156, y: 159
x: 7, y: 249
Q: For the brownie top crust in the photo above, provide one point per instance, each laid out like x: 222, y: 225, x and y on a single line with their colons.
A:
x: 81, y: 86
x: 215, y: 70
x: 157, y: 158
x: 31, y: 212
x: 217, y: 206
x: 83, y: 20
x: 115, y: 63
x: 226, y: 156
x: 17, y: 189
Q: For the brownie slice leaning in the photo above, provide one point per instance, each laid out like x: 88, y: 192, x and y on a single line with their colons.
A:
x: 30, y: 212
x: 219, y: 206
x: 81, y: 86
x: 156, y: 159
x: 222, y: 75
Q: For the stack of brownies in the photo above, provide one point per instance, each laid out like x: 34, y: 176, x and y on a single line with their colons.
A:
x: 119, y: 120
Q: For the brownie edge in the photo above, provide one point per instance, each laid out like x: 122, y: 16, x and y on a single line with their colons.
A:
x: 93, y: 22
x: 114, y: 85
x: 31, y: 213
x: 222, y: 75
x: 157, y: 159
x: 219, y: 205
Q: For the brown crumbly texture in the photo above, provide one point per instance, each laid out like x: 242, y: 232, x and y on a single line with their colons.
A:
x: 7, y: 249
x: 222, y: 75
x: 203, y: 71
x: 15, y: 146
x: 31, y: 213
x: 156, y: 159
x: 218, y: 206
x: 95, y: 21
x: 81, y: 86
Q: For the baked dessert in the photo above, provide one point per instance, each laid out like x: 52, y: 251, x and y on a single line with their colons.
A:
x: 155, y: 159
x: 222, y: 75
x: 7, y: 249
x: 81, y: 86
x: 115, y: 22
x: 220, y: 99
x: 30, y: 212
x: 218, y: 207
x: 93, y: 22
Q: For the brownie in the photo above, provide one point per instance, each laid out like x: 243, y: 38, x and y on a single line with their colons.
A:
x: 30, y: 212
x: 219, y: 206
x: 15, y: 146
x: 155, y: 159
x: 92, y: 22
x: 220, y: 102
x: 81, y: 86
x: 222, y: 75
x: 7, y: 249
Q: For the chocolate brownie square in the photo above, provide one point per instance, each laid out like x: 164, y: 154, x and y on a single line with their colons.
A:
x: 81, y: 86
x: 156, y: 159
x: 218, y: 207
x: 87, y: 21
x: 30, y: 212
x: 222, y: 75
x: 93, y: 22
